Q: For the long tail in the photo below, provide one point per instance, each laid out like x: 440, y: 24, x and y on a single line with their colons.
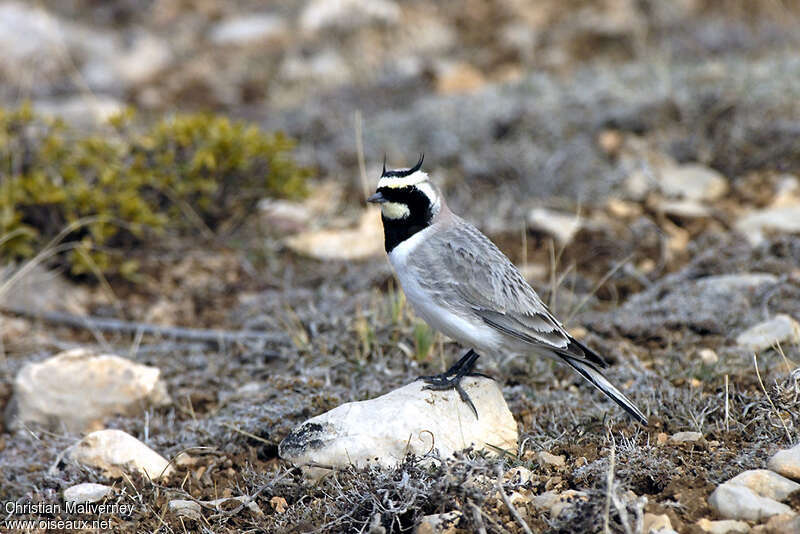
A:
x: 593, y: 375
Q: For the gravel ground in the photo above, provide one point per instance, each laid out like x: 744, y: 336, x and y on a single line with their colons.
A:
x: 600, y: 92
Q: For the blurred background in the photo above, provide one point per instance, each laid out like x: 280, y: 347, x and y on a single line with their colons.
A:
x: 195, y: 163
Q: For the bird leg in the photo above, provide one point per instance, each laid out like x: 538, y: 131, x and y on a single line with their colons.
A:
x: 451, y: 379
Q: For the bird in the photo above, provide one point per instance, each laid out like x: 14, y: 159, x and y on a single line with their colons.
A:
x: 462, y: 285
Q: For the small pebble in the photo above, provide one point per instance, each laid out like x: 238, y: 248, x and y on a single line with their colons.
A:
x: 87, y: 492
x: 115, y: 452
x: 558, y: 502
x: 519, y: 475
x: 725, y: 526
x: 784, y: 524
x: 685, y: 437
x: 766, y: 483
x: 732, y: 501
x: 185, y: 508
x: 653, y: 524
x: 786, y: 462
x: 779, y: 329
x: 708, y: 356
x: 545, y: 458
x: 439, y: 523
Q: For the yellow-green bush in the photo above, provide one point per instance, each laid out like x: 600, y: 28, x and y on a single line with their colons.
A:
x: 133, y: 183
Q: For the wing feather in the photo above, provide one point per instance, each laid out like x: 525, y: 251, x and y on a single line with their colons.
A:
x: 481, y: 276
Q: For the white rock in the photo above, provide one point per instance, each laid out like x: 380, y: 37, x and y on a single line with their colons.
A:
x: 81, y: 110
x: 347, y: 14
x: 685, y: 437
x: 787, y: 462
x: 656, y: 524
x: 407, y: 420
x: 249, y: 503
x: 725, y: 526
x: 766, y: 483
x: 185, y: 508
x: 115, y: 452
x: 438, y: 523
x: 708, y: 356
x: 249, y: 29
x: 87, y: 492
x: 545, y: 458
x: 38, y: 289
x: 326, y: 68
x: 638, y: 184
x: 562, y: 226
x: 33, y: 40
x: 777, y: 219
x: 362, y: 242
x: 558, y: 502
x: 519, y: 475
x: 732, y: 501
x: 144, y: 58
x: 688, y: 209
x: 735, y: 282
x: 779, y: 329
x: 783, y: 524
x: 284, y: 215
x: 692, y: 182
x: 79, y: 389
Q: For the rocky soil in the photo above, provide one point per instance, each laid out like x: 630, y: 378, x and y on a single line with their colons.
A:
x: 639, y: 161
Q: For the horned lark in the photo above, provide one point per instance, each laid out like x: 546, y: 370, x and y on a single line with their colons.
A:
x: 460, y: 283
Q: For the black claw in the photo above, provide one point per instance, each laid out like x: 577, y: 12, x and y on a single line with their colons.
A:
x: 451, y: 379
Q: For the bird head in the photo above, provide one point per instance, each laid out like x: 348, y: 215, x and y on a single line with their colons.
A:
x: 406, y: 196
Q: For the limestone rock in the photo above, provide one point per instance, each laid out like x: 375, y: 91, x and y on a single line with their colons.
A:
x: 732, y: 501
x: 687, y: 209
x: 656, y: 524
x: 692, y: 182
x: 358, y: 243
x: 439, y: 523
x: 347, y: 14
x: 225, y: 503
x: 713, y: 304
x: 783, y: 524
x: 115, y: 452
x: 79, y: 389
x: 725, y: 526
x: 545, y: 458
x: 252, y: 28
x: 562, y: 226
x: 779, y: 329
x: 558, y: 502
x: 185, y: 508
x: 787, y: 462
x: 87, y: 492
x: 519, y: 475
x: 766, y: 483
x: 708, y: 356
x: 685, y: 437
x: 407, y: 420
x: 79, y: 110
x: 774, y: 219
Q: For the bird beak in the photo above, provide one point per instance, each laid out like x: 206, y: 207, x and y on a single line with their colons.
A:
x: 377, y: 198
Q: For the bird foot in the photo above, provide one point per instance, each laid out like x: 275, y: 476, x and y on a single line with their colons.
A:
x: 451, y: 379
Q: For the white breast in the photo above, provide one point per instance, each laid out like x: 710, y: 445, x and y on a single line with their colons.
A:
x: 473, y: 333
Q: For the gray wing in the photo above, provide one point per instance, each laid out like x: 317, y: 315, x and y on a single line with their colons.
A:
x: 465, y: 271
x: 476, y: 273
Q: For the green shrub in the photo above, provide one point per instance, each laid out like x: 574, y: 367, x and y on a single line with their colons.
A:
x: 127, y: 186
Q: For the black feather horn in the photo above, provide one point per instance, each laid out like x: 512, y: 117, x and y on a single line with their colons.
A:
x: 384, y: 165
x: 400, y: 173
x: 418, y: 166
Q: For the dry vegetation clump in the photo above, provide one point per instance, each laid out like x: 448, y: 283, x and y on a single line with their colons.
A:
x: 101, y: 195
